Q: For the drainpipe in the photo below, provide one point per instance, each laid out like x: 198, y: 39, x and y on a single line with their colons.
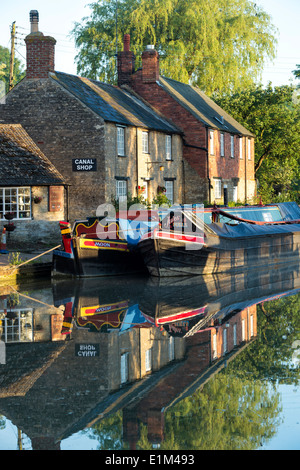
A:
x: 68, y: 202
x: 246, y: 157
x: 137, y: 163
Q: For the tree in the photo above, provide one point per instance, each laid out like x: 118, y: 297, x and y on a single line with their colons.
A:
x: 221, y: 44
x: 4, y: 67
x: 297, y: 71
x: 273, y: 116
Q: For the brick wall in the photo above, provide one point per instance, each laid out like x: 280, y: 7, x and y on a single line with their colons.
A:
x: 40, y: 55
x: 194, y: 135
x: 200, y: 167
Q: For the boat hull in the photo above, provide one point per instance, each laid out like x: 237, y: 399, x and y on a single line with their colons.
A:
x: 167, y: 257
x: 94, y: 258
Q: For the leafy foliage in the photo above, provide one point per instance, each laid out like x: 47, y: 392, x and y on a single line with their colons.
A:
x: 217, y: 45
x: 273, y: 116
x: 4, y: 67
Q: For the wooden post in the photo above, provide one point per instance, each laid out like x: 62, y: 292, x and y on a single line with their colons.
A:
x: 12, y: 56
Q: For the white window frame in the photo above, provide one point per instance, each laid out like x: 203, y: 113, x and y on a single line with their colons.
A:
x: 232, y: 146
x: 241, y: 148
x: 168, y: 147
x: 18, y: 330
x: 235, y: 193
x: 169, y: 185
x: 8, y: 207
x: 211, y: 142
x: 243, y: 329
x: 171, y: 348
x: 235, y: 334
x: 214, y: 346
x: 121, y: 190
x: 218, y: 188
x: 148, y: 360
x: 121, y: 141
x: 222, y: 144
x: 249, y: 149
x: 145, y: 142
x: 124, y: 369
x: 225, y: 345
x: 251, y: 326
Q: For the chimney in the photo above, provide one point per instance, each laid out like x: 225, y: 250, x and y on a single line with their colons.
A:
x: 150, y: 65
x: 126, y: 63
x: 40, y: 50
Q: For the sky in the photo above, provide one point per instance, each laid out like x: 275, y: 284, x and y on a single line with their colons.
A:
x: 57, y: 19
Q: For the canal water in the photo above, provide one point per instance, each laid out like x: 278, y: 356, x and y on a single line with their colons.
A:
x: 139, y: 363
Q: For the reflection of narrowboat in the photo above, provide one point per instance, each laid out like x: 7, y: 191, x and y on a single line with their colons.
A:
x: 223, y: 241
x: 183, y: 306
x: 101, y: 247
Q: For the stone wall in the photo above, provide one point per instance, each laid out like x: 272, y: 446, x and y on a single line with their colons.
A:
x: 139, y: 168
x: 64, y: 130
x: 42, y: 228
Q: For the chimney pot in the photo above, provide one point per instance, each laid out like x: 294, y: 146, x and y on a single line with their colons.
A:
x: 40, y: 50
x: 34, y: 20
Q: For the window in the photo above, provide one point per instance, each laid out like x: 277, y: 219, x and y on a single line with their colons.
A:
x: 225, y: 341
x: 251, y: 325
x: 170, y: 190
x: 171, y: 348
x: 211, y: 143
x: 214, y: 346
x: 16, y: 200
x: 243, y: 330
x: 148, y: 358
x: 19, y: 328
x: 235, y: 334
x: 145, y: 142
x: 241, y: 148
x: 121, y: 190
x: 249, y: 149
x: 235, y: 194
x: 124, y: 368
x: 232, y: 146
x: 121, y: 141
x: 222, y: 147
x: 168, y: 147
x: 218, y: 189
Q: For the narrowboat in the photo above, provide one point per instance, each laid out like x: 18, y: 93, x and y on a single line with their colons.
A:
x: 101, y: 246
x: 222, y: 240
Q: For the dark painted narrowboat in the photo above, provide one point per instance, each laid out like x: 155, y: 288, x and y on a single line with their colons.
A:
x: 228, y: 240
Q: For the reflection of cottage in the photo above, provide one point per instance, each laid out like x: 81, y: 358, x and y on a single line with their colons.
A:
x: 104, y: 140
x: 30, y: 187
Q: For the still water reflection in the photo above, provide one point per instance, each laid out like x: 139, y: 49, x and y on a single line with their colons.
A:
x: 140, y: 363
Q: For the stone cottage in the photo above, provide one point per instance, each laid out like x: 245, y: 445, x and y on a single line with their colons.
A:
x: 104, y: 140
x: 31, y: 189
x: 218, y: 152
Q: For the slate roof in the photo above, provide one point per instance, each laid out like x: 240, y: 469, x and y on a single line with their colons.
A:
x: 114, y: 104
x: 202, y: 107
x: 22, y: 163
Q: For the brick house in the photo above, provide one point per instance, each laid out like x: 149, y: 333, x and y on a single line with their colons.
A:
x: 218, y: 151
x: 30, y: 188
x: 104, y: 140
